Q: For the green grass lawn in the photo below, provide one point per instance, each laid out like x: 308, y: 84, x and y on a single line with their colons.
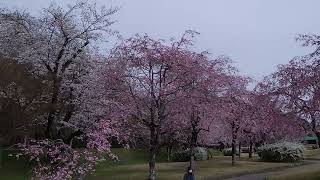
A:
x: 219, y: 166
x: 13, y: 169
x: 313, y: 154
x: 212, y: 169
x: 133, y: 165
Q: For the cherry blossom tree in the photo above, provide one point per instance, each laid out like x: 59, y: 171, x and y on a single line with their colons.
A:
x: 274, y: 124
x: 198, y: 106
x: 60, y: 44
x: 235, y: 108
x: 295, y: 86
x: 256, y: 111
x: 147, y: 77
x: 96, y: 128
x: 57, y: 43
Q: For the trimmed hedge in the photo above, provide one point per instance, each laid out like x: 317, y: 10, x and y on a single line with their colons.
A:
x: 281, y: 152
x: 201, y: 154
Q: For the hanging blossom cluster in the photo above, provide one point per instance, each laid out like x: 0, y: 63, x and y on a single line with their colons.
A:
x: 52, y: 159
x: 99, y: 139
x: 56, y: 160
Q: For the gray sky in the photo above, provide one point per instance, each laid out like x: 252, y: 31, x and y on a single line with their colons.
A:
x: 257, y: 34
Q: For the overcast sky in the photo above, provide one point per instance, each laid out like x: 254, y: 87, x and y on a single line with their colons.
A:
x: 257, y: 34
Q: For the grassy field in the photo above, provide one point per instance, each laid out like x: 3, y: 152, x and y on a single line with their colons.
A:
x: 215, y: 168
x: 313, y: 154
x: 133, y: 165
x: 212, y: 169
x: 13, y: 169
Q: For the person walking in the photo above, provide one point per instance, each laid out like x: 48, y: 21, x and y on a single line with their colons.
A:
x: 189, y: 174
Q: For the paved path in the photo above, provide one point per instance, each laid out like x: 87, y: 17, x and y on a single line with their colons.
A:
x: 259, y: 176
x: 263, y: 176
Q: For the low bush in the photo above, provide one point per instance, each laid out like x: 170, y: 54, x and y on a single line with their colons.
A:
x: 201, y: 154
x: 214, y: 152
x: 228, y: 152
x: 281, y: 152
x: 180, y: 156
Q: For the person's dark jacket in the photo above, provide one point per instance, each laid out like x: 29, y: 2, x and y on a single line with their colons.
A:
x: 189, y: 176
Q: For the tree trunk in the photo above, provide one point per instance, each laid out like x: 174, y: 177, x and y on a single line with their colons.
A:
x: 250, y: 148
x: 51, y: 115
x: 234, y: 139
x: 314, y: 129
x: 318, y: 136
x: 233, y: 152
x: 25, y: 139
x: 239, y: 149
x: 191, y: 163
x: 169, y: 150
x: 152, y: 163
x: 192, y: 158
x: 233, y: 147
x: 210, y: 156
x: 168, y: 154
x: 152, y: 153
x: 194, y: 139
x: 70, y: 108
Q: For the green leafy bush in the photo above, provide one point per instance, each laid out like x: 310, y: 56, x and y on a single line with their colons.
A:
x: 228, y: 152
x: 180, y: 156
x: 201, y: 154
x: 214, y: 152
x: 281, y: 152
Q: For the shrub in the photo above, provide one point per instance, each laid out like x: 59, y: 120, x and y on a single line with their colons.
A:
x: 180, y: 156
x: 281, y: 152
x: 214, y: 152
x: 228, y: 152
x: 201, y: 154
